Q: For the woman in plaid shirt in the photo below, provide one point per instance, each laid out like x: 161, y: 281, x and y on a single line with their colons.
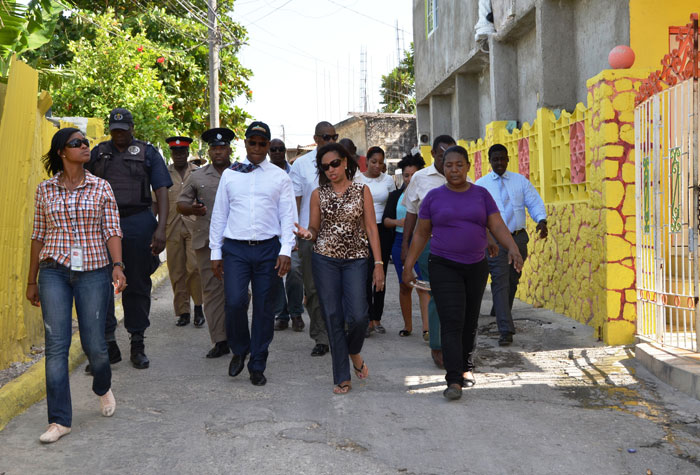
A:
x: 76, y: 221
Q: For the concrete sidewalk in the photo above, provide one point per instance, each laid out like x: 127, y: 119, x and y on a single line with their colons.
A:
x: 556, y: 401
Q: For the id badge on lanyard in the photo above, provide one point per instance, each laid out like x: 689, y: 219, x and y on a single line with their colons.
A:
x: 76, y: 250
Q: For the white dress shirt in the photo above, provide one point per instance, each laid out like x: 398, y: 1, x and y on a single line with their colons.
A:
x: 512, y: 192
x: 421, y: 183
x: 380, y: 187
x: 253, y: 206
x: 304, y: 176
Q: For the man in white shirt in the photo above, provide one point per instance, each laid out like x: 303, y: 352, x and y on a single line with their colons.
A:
x: 304, y: 175
x: 251, y: 239
x: 421, y: 183
x: 512, y: 193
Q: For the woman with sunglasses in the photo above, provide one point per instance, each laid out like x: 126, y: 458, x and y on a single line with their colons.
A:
x: 76, y: 221
x: 380, y: 185
x: 343, y: 225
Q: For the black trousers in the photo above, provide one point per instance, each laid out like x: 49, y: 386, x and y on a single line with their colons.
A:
x: 138, y: 231
x: 457, y: 289
x: 375, y: 299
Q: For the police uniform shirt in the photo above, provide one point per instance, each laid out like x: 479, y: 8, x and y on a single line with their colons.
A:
x: 157, y: 171
x: 175, y: 218
x: 201, y: 184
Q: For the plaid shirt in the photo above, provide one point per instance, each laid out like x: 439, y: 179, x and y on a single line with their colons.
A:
x: 89, y: 212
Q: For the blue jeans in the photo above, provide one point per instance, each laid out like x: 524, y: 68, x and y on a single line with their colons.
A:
x: 341, y: 285
x: 289, y: 292
x: 245, y: 264
x: 58, y: 287
x: 504, y: 283
x: 396, y: 257
x: 433, y: 319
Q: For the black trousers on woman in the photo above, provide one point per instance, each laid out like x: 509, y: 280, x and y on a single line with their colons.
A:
x: 457, y: 289
x: 375, y: 299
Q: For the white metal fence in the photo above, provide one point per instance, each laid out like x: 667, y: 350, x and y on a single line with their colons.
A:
x: 667, y: 165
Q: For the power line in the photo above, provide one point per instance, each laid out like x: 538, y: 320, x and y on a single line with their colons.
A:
x: 365, y: 15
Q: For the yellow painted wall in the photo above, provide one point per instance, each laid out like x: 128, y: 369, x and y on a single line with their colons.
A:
x: 649, y: 22
x: 25, y: 135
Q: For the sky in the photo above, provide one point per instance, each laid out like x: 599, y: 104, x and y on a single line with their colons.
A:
x: 306, y: 59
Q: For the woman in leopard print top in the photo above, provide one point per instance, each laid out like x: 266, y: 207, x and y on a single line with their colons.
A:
x: 342, y: 221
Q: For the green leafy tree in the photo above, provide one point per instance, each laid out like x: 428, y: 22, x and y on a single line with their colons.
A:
x: 398, y: 89
x: 175, y: 37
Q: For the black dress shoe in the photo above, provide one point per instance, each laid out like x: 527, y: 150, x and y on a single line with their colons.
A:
x: 319, y: 350
x: 183, y: 320
x: 236, y: 365
x: 220, y: 349
x: 139, y: 360
x: 198, y: 316
x: 281, y: 324
x: 258, y: 378
x: 297, y: 324
x: 506, y: 339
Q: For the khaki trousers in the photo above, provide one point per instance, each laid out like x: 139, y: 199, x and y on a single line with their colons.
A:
x: 214, y: 297
x: 182, y: 267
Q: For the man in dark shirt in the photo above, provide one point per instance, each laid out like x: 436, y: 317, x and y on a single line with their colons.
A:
x: 133, y: 167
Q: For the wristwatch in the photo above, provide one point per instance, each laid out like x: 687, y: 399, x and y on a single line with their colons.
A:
x: 119, y: 264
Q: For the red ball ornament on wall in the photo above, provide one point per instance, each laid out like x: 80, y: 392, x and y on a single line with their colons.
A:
x: 621, y: 57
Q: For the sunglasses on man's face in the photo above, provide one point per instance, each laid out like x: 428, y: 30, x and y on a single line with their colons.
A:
x: 329, y: 137
x: 277, y: 149
x: 77, y: 143
x: 333, y: 164
x: 255, y: 143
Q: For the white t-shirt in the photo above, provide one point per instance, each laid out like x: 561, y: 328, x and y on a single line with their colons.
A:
x: 304, y: 175
x: 380, y: 188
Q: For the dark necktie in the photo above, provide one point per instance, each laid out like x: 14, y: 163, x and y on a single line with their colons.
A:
x: 243, y: 167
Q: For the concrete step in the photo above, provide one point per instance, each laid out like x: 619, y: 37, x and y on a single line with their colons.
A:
x: 676, y: 367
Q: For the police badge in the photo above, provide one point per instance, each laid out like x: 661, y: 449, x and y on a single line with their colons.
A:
x: 134, y: 150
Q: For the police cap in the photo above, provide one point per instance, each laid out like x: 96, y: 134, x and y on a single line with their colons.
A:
x: 120, y: 118
x: 258, y: 128
x: 178, y: 142
x: 218, y: 136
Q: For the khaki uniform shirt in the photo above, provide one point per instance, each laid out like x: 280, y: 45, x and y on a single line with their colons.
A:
x: 175, y: 219
x: 202, y: 184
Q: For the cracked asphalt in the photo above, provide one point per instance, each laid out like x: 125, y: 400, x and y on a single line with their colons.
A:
x: 557, y: 401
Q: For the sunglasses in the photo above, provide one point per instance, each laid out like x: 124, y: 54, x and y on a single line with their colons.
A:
x: 277, y: 149
x: 76, y: 143
x: 255, y: 143
x: 334, y: 164
x: 328, y: 137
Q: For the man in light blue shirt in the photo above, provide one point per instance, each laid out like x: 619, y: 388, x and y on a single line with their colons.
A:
x: 512, y: 193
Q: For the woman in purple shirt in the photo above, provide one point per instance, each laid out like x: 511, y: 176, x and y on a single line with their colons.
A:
x: 458, y: 215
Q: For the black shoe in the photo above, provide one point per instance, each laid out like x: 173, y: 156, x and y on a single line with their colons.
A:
x: 220, y: 349
x: 139, y: 360
x: 452, y: 392
x: 258, y: 378
x: 506, y: 339
x: 236, y: 365
x: 198, y: 316
x: 115, y: 356
x: 297, y: 324
x: 319, y: 350
x: 183, y: 320
x: 281, y: 324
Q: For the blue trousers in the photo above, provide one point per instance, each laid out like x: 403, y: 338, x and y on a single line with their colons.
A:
x: 255, y: 265
x: 504, y: 283
x: 433, y: 318
x: 289, y: 292
x: 58, y: 287
x: 342, y: 285
x: 138, y: 232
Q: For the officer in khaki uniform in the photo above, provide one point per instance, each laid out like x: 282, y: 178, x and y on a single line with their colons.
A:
x: 197, y: 199
x: 182, y: 262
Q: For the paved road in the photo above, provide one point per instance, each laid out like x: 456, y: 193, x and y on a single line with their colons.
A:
x: 555, y: 402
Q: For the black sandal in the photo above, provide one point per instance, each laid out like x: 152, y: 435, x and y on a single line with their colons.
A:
x: 405, y: 333
x: 358, y: 371
x: 344, y: 388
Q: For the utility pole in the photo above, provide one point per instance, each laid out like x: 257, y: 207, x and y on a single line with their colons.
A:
x: 284, y: 136
x: 363, y: 78
x: 214, y: 45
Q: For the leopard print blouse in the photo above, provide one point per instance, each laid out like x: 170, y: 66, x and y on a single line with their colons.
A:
x: 342, y: 234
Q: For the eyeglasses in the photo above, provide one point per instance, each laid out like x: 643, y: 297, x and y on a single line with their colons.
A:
x: 255, y: 143
x: 277, y: 149
x: 329, y: 137
x: 76, y: 143
x: 334, y: 164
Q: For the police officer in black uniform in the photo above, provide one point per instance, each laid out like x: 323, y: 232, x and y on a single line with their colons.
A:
x: 133, y: 167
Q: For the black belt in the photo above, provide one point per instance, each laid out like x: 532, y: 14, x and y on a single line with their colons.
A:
x: 515, y: 233
x: 250, y: 242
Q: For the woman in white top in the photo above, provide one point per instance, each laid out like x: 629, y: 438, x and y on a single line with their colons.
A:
x: 380, y: 185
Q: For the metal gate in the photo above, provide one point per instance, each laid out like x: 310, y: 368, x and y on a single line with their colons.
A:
x: 667, y: 167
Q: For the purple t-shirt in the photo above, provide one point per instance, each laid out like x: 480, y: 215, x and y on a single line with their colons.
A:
x: 459, y: 222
